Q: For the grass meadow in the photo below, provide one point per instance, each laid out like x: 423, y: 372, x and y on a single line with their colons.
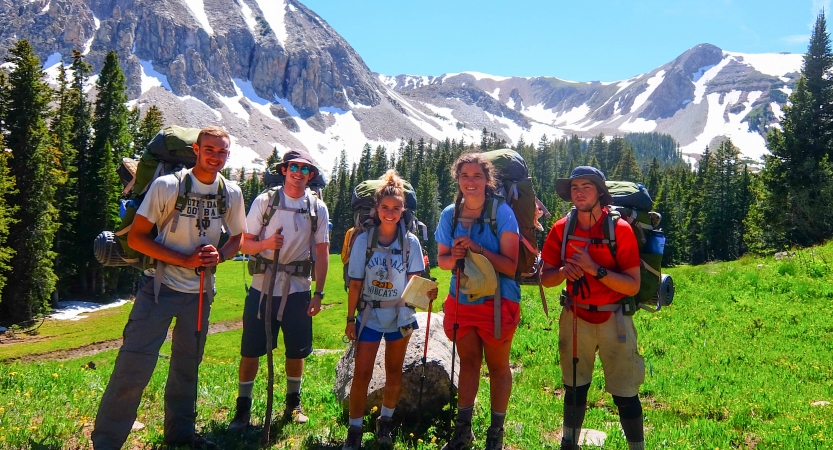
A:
x: 743, y: 359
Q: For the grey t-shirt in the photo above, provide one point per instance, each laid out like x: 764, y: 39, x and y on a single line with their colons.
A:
x: 385, y: 284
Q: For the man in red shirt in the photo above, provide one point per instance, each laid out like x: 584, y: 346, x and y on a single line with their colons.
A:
x: 596, y: 281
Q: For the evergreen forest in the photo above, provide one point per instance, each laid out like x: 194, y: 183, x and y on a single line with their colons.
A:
x: 59, y: 187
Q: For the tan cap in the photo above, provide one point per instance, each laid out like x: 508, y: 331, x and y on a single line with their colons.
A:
x: 478, y: 278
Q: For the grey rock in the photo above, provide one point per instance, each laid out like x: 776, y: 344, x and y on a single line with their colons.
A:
x: 435, y: 394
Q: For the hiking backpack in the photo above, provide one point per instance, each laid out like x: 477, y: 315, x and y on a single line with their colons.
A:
x: 169, y: 152
x: 631, y: 202
x: 363, y: 202
x: 514, y: 187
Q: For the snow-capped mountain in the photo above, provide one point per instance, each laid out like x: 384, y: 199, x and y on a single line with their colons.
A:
x: 275, y: 74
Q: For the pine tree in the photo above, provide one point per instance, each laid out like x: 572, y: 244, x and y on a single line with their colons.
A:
x: 34, y: 166
x: 148, y: 128
x: 628, y: 167
x: 66, y: 263
x: 818, y: 62
x: 7, y: 211
x: 428, y: 207
x: 273, y: 158
x: 365, y: 165
x: 379, y: 162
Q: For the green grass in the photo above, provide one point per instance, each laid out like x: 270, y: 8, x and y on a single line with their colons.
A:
x: 736, y: 362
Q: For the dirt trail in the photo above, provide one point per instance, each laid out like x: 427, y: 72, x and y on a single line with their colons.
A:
x: 113, y: 344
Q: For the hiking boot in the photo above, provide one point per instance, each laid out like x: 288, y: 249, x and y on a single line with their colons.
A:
x: 241, y: 416
x: 198, y: 442
x: 494, y: 438
x: 354, y: 439
x: 384, y: 431
x: 293, y: 409
x: 462, y: 438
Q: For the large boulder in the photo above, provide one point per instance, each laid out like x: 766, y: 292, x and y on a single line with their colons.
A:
x: 435, y: 394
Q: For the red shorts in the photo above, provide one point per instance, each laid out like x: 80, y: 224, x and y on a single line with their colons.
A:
x: 481, y: 318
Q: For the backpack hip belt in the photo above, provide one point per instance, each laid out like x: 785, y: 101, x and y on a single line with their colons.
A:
x: 617, y: 309
x: 302, y: 269
x: 285, y: 271
x: 366, y: 305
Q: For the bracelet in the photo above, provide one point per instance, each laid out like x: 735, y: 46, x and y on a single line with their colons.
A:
x: 351, y: 319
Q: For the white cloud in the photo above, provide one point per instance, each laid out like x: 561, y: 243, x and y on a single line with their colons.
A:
x: 818, y: 5
x: 796, y: 39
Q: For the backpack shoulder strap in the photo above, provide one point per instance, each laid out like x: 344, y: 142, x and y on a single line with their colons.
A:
x: 404, y: 243
x: 609, y: 230
x: 569, y: 229
x: 184, y: 183
x: 372, y: 242
x: 490, y: 213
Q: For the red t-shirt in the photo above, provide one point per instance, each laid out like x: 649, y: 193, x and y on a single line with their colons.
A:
x: 627, y: 257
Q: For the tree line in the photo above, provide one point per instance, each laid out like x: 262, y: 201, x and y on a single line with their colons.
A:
x: 59, y: 187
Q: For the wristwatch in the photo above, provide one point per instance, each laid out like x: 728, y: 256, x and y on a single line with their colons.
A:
x: 351, y: 319
x: 601, y: 273
x: 320, y: 294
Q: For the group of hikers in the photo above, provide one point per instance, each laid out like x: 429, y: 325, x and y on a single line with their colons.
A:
x: 178, y: 225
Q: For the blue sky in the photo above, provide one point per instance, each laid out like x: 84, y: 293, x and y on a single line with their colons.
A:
x: 581, y: 40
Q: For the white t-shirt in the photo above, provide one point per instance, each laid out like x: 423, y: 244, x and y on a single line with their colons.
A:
x: 382, y: 284
x: 296, y: 231
x: 160, y: 201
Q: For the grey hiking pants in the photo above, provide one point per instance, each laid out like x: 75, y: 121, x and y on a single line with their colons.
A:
x: 144, y: 334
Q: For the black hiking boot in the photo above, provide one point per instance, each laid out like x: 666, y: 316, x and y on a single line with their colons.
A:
x: 462, y: 438
x: 241, y: 416
x: 293, y: 409
x: 384, y: 431
x: 494, y: 438
x: 354, y: 439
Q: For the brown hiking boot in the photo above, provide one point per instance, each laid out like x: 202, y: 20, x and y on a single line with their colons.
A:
x: 293, y: 409
x: 384, y: 431
x: 354, y: 439
x: 462, y: 438
x: 241, y: 416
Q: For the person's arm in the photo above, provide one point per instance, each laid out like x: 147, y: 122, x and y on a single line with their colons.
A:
x: 322, y: 263
x: 140, y: 238
x: 353, y: 293
x: 625, y: 282
x: 444, y: 258
x: 231, y: 247
x: 553, y: 276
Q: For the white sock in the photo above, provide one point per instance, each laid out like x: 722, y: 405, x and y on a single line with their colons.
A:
x: 293, y: 385
x: 357, y: 422
x: 387, y: 412
x: 244, y: 389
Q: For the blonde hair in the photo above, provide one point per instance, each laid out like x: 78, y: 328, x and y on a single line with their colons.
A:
x: 394, y: 186
x: 213, y: 131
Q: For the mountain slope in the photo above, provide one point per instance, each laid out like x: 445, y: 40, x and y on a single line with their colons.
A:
x: 275, y: 74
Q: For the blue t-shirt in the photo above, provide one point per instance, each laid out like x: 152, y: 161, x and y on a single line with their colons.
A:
x: 383, y: 284
x: 506, y: 222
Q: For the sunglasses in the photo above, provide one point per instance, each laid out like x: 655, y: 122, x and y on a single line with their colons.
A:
x: 295, y: 168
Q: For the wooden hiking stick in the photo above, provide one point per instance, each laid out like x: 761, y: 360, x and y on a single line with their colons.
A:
x: 270, y: 386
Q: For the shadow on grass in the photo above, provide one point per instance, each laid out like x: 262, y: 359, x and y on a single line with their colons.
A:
x: 43, y: 445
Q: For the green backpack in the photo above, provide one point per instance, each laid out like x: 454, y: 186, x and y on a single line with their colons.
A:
x: 169, y: 152
x: 631, y: 202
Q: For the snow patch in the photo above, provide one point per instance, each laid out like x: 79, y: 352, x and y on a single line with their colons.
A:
x: 777, y: 111
x: 775, y: 64
x: 539, y: 113
x: 248, y: 16
x: 639, y: 125
x: 751, y: 144
x: 197, y: 8
x: 495, y: 94
x: 51, y: 65
x: 510, y: 103
x: 573, y: 116
x: 46, y: 8
x: 625, y: 83
x: 479, y: 76
x: 274, y: 11
x: 708, y: 75
x: 151, y: 78
x: 653, y: 84
x: 786, y: 90
x: 241, y: 156
x: 699, y: 74
x: 72, y: 310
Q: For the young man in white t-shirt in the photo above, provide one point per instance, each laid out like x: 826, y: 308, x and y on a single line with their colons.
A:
x: 295, y: 211
x: 187, y: 240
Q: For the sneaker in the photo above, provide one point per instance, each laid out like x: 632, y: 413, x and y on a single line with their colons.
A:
x: 384, y: 431
x: 198, y: 442
x: 293, y: 409
x: 241, y: 416
x: 462, y: 438
x: 494, y: 438
x: 354, y: 439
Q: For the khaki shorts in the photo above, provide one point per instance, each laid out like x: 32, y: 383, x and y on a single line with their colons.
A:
x: 624, y: 367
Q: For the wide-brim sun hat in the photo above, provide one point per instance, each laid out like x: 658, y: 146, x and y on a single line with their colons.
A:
x: 562, y: 185
x: 299, y: 156
x: 478, y: 278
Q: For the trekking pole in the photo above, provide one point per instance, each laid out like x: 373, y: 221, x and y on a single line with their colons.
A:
x: 270, y: 386
x: 452, y: 398
x: 575, y: 380
x: 425, y: 355
x: 198, y: 334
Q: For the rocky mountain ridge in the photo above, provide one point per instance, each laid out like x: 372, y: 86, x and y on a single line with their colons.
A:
x: 275, y: 74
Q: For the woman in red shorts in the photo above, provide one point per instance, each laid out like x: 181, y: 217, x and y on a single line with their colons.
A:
x: 468, y: 225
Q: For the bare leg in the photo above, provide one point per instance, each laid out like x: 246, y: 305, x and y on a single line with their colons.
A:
x: 394, y: 358
x: 362, y: 372
x: 500, y: 375
x: 470, y: 348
